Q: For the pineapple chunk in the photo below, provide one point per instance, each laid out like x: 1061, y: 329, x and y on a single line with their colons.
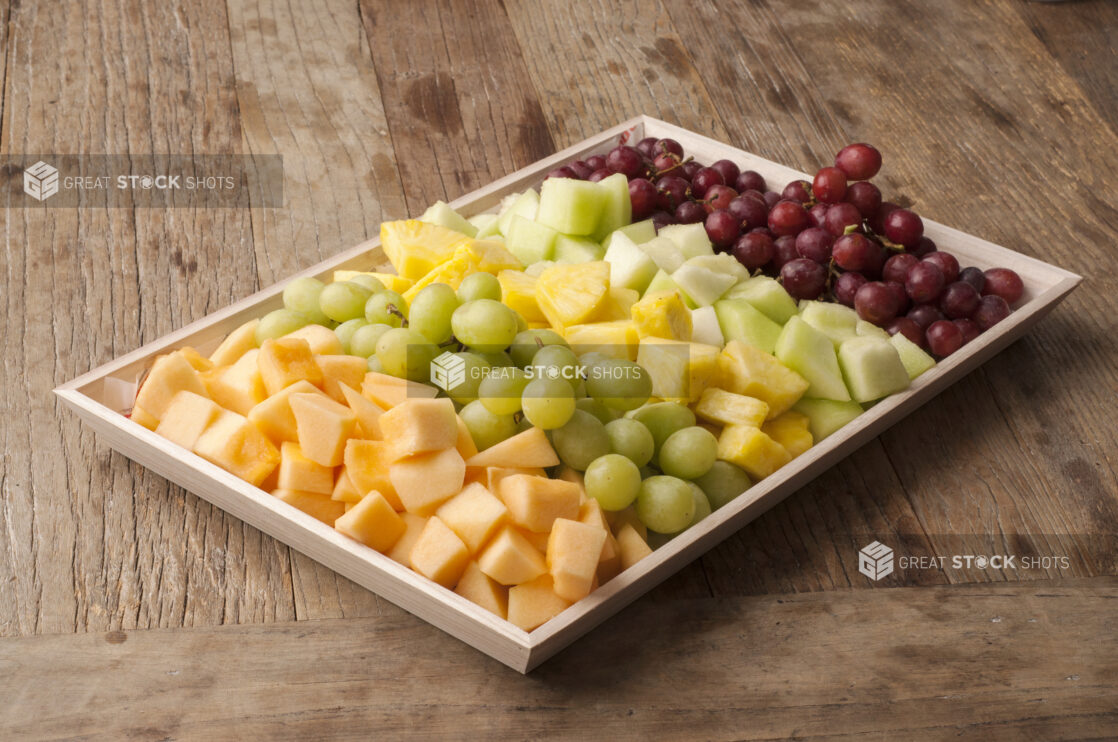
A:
x: 618, y: 339
x: 791, y: 430
x: 461, y: 264
x: 617, y: 305
x: 518, y: 291
x: 391, y: 281
x: 415, y: 248
x: 568, y: 294
x: 680, y: 371
x: 726, y: 408
x: 493, y: 257
x: 743, y: 369
x: 752, y: 450
x: 662, y: 314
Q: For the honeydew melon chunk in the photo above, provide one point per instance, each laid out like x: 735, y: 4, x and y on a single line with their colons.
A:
x: 441, y: 214
x: 663, y: 282
x: 530, y: 241
x: 691, y: 239
x: 722, y: 263
x: 705, y: 327
x: 740, y: 320
x: 766, y: 295
x: 629, y: 266
x: 810, y: 353
x: 486, y: 225
x: 872, y: 368
x: 703, y: 285
x: 869, y: 329
x: 526, y: 204
x: 618, y: 210
x: 836, y: 321
x: 825, y: 416
x: 571, y: 206
x: 664, y: 253
x: 915, y: 360
x: 576, y: 250
x: 638, y: 233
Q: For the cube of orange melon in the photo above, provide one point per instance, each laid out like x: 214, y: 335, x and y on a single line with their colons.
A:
x: 478, y: 587
x: 368, y: 412
x: 323, y: 427
x: 373, y: 522
x: 632, y: 545
x: 196, y: 359
x: 322, y: 340
x: 494, y: 475
x: 274, y: 415
x: 284, y: 361
x: 535, y: 502
x: 573, y: 552
x: 618, y: 518
x: 143, y: 417
x: 439, y: 555
x: 297, y: 472
x: 534, y: 603
x: 313, y: 504
x: 421, y: 425
x: 169, y: 375
x: 425, y: 481
x: 240, y: 387
x: 389, y: 391
x: 236, y: 445
x: 609, y: 562
x: 465, y: 442
x: 341, y: 369
x: 474, y: 514
x: 367, y: 463
x: 236, y: 344
x: 510, y: 558
x: 186, y: 418
x: 344, y: 489
x: 538, y: 540
x: 530, y: 448
x: 413, y: 527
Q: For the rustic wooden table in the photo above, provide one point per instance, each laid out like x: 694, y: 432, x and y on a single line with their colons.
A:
x: 131, y: 608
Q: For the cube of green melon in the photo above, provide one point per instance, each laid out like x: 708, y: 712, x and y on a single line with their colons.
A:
x: 663, y: 282
x: 825, y: 416
x: 766, y: 295
x: 441, y: 214
x: 576, y: 250
x: 629, y: 266
x: 740, y: 320
x: 864, y: 328
x: 705, y: 327
x: 638, y: 232
x: 915, y: 360
x: 872, y: 368
x: 571, y: 206
x: 722, y: 263
x: 664, y: 253
x: 811, y: 354
x: 526, y: 205
x: 618, y: 210
x: 703, y: 285
x: 691, y: 239
x: 530, y: 241
x: 485, y: 224
x: 835, y: 321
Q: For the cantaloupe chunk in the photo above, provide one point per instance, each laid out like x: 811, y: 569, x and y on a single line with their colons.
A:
x: 752, y: 450
x: 494, y: 475
x: 186, y: 418
x: 389, y: 391
x: 313, y: 504
x: 196, y: 359
x: 344, y: 489
x: 510, y: 558
x: 284, y: 361
x: 534, y: 603
x: 426, y: 481
x: 240, y: 387
x: 373, y: 522
x: 367, y: 463
x: 297, y: 472
x: 413, y: 527
x: 368, y: 413
x: 274, y: 415
x: 169, y: 375
x: 420, y: 425
x: 237, y: 446
x: 474, y: 514
x: 609, y: 561
x: 439, y: 555
x: 465, y: 442
x: 236, y: 344
x: 271, y: 482
x: 323, y: 427
x: 143, y: 417
x: 478, y: 587
x: 528, y: 449
x: 322, y: 340
x: 535, y: 502
x: 573, y: 552
x: 618, y: 518
x: 538, y: 540
x: 341, y: 369
x: 633, y: 547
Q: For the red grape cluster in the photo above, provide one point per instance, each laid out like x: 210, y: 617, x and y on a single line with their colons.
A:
x: 833, y: 239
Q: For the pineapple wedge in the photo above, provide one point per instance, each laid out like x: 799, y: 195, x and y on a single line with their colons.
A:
x: 416, y: 248
x: 493, y: 257
x: 662, y: 314
x: 680, y: 371
x: 743, y: 369
x: 616, y: 306
x: 752, y: 450
x: 791, y: 430
x: 462, y: 264
x: 391, y: 281
x: 518, y: 291
x: 617, y: 339
x: 569, y: 294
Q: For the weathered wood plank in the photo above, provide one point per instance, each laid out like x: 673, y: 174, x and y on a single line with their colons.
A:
x: 969, y: 662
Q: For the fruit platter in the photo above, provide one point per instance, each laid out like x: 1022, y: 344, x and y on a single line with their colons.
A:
x: 522, y: 410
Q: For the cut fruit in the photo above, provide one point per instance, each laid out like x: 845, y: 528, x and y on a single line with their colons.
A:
x: 338, y: 371
x: 768, y: 296
x: 525, y: 205
x: 616, y: 339
x: 491, y: 256
x: 722, y: 263
x: 323, y: 427
x: 391, y: 281
x: 664, y: 253
x: 535, y: 502
x: 439, y: 555
x: 441, y: 214
x: 631, y: 545
x: 571, y: 206
x: 169, y: 375
x: 811, y: 354
x: 528, y: 449
x: 568, y: 294
x: 414, y: 248
x: 680, y: 371
x: 743, y: 369
x: 474, y: 514
x: 791, y: 430
x: 297, y: 472
x: 915, y: 360
x: 662, y: 314
x: 618, y: 210
x: 726, y: 408
x: 315, y: 505
x: 534, y: 603
x: 510, y: 558
x: 483, y: 223
x: 413, y: 527
x: 367, y: 464
x: 573, y: 552
x: 630, y: 267
x: 452, y: 272
x: 478, y: 587
x: 869, y: 329
x: 705, y: 327
x: 691, y: 239
x: 420, y: 425
x: 344, y: 489
x: 186, y: 418
x: 389, y: 391
x: 663, y: 282
x: 287, y: 360
x: 530, y: 241
x: 872, y: 368
x: 322, y: 340
x: 518, y: 292
x: 835, y: 321
x: 464, y: 443
x: 576, y: 250
x: 238, y: 388
x: 637, y: 232
x: 373, y: 522
x: 740, y: 320
x: 236, y: 344
x: 616, y: 306
x: 494, y: 475
x: 368, y: 413
x: 826, y: 416
x: 237, y: 446
x: 752, y: 450
x: 274, y: 415
x: 426, y: 481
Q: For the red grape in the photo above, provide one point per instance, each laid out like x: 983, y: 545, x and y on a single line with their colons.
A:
x: 877, y: 257
x: 897, y: 267
x: 787, y: 218
x: 718, y: 197
x: 907, y: 327
x: 690, y: 168
x: 815, y: 244
x: 846, y: 287
x: 750, y: 180
x: 877, y: 221
x: 766, y: 231
x: 729, y: 171
x: 595, y: 162
x: 974, y: 276
x: 947, y: 263
x: 865, y: 196
x: 562, y: 172
x: 797, y: 190
x: 644, y: 198
x: 581, y: 169
x: 944, y: 337
x: 751, y: 212
x: 840, y: 216
x: 925, y: 314
x: 829, y: 186
x: 599, y: 174
x: 668, y: 146
x: 784, y: 251
x: 817, y: 215
x: 772, y: 198
x: 690, y: 212
x: 923, y: 248
x: 722, y: 228
x: 673, y: 191
x: 803, y: 278
x: 647, y: 146
x: 899, y: 294
x: 924, y: 282
x: 1004, y: 283
x: 969, y: 329
x: 853, y: 252
x: 754, y: 250
x: 626, y: 160
x: 875, y: 302
x: 992, y: 309
x: 661, y: 219
x: 859, y: 161
x: 904, y: 227
x: 666, y: 164
x: 959, y: 300
x: 704, y: 179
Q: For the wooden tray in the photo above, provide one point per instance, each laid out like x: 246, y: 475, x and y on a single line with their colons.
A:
x: 100, y: 396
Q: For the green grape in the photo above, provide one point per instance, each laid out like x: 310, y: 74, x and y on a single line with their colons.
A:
x: 479, y: 286
x: 372, y: 283
x: 474, y: 372
x: 665, y: 504
x: 594, y: 407
x: 387, y: 308
x: 345, y: 331
x: 375, y: 365
x: 580, y: 440
x: 277, y: 323
x: 365, y: 339
x: 620, y: 384
x: 548, y: 403
x: 723, y: 483
x: 613, y: 480
x: 521, y: 323
x: 702, y: 504
x: 406, y: 354
x: 501, y: 389
x: 301, y: 295
x: 498, y: 359
x: 663, y: 418
x: 555, y: 362
x: 631, y: 439
x: 430, y: 312
x: 486, y: 428
x: 484, y: 324
x: 528, y: 342
x: 592, y: 357
x: 688, y: 453
x: 342, y: 300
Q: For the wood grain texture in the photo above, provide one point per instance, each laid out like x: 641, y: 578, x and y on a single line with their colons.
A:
x: 992, y: 662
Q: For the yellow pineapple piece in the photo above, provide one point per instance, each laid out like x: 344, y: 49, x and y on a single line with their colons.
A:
x: 391, y: 281
x: 415, y: 248
x: 743, y: 369
x: 518, y: 291
x: 493, y: 257
x: 618, y: 338
x: 680, y: 371
x: 460, y: 265
x: 791, y: 430
x: 726, y: 408
x: 235, y: 444
x: 752, y: 450
x: 617, y: 305
x: 662, y: 314
x: 569, y: 294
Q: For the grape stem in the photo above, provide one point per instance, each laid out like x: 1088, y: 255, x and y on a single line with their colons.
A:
x: 391, y: 309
